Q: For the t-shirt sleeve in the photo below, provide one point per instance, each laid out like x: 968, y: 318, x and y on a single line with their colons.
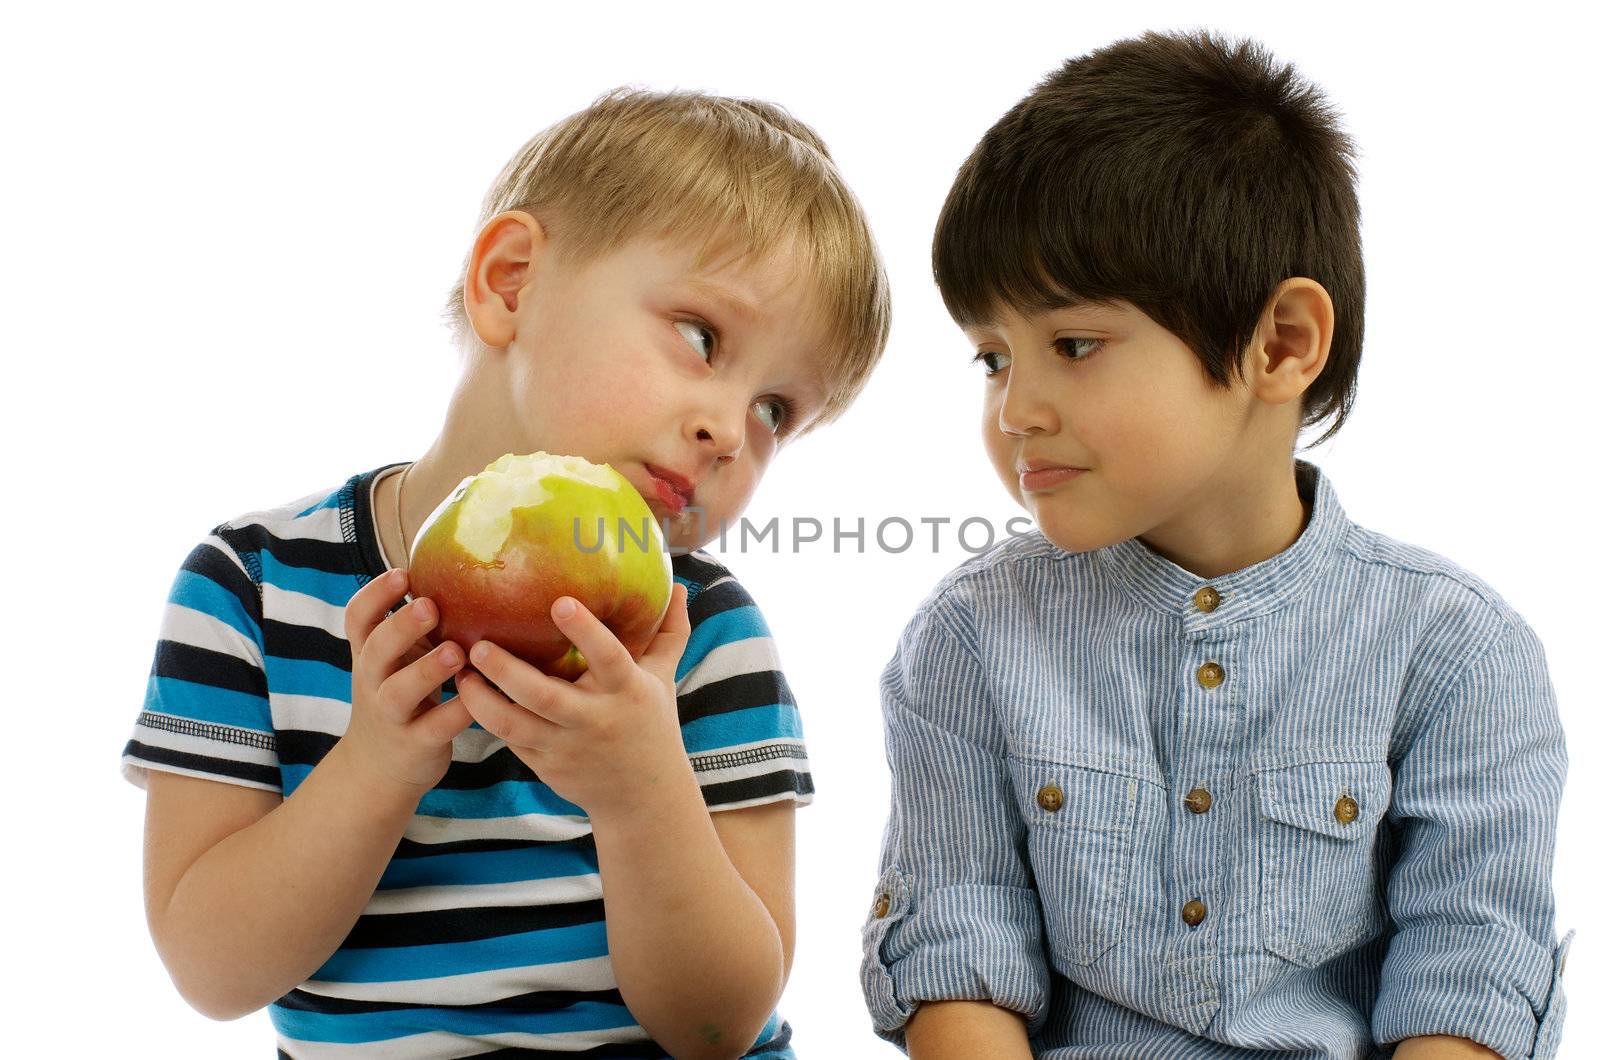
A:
x: 740, y: 725
x: 206, y: 711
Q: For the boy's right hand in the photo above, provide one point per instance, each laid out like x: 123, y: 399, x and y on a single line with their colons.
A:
x: 399, y: 729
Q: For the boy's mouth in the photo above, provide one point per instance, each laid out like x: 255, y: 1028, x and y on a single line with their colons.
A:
x: 674, y: 491
x: 1042, y: 475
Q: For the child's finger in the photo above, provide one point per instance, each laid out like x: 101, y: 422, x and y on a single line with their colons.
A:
x: 368, y: 606
x: 403, y: 691
x: 516, y: 725
x: 386, y: 647
x: 661, y: 657
x: 524, y: 685
x: 445, y: 722
x: 609, y: 662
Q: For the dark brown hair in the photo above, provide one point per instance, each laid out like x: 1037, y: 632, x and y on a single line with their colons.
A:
x: 1184, y: 173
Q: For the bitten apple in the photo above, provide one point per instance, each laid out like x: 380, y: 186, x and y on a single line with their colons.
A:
x: 527, y: 530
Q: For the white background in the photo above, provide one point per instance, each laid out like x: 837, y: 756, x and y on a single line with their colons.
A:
x: 214, y: 216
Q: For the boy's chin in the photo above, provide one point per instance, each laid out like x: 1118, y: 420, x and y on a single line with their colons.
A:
x: 1071, y: 535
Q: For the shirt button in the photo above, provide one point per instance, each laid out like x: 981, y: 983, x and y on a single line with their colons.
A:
x: 1207, y: 599
x: 1194, y: 911
x: 1049, y: 798
x: 1197, y: 801
x: 1210, y: 675
x: 880, y: 908
x: 1346, y: 809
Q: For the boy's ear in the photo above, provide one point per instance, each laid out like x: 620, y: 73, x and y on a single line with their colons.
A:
x: 504, y: 259
x: 1291, y: 342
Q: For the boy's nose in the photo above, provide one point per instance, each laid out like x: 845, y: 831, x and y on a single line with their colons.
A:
x: 1023, y: 411
x: 720, y: 430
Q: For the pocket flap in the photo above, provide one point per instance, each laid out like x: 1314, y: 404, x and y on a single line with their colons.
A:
x: 1344, y: 800
x: 1062, y: 796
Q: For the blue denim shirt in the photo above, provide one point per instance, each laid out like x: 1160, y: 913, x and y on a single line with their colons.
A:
x: 1306, y: 809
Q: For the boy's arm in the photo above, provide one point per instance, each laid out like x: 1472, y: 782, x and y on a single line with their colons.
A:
x: 959, y: 1030
x: 247, y: 893
x: 700, y: 917
x: 698, y: 912
x: 955, y: 915
x: 1475, y: 797
x: 1439, y: 1047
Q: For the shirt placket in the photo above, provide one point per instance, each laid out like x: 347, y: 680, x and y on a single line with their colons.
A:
x: 1202, y: 804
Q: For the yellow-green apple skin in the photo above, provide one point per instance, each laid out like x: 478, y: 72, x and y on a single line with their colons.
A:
x: 524, y: 532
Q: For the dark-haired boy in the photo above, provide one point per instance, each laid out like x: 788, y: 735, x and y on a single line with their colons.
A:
x: 1202, y: 768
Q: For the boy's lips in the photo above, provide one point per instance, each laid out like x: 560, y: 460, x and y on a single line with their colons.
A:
x: 1042, y: 475
x: 675, y: 491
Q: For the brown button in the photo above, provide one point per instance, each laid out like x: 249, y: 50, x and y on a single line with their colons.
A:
x: 1049, y: 798
x: 1207, y: 599
x: 1194, y: 911
x: 880, y: 908
x: 1346, y: 809
x: 1197, y: 801
x: 1210, y: 675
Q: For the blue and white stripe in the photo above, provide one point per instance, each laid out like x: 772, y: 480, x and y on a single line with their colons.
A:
x: 487, y: 929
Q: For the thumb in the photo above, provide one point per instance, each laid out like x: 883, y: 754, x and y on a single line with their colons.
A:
x: 662, y: 656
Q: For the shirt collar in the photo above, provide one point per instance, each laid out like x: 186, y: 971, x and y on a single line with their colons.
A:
x: 1258, y: 589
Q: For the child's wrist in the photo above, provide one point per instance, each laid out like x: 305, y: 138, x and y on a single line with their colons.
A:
x: 649, y: 800
x: 378, y: 787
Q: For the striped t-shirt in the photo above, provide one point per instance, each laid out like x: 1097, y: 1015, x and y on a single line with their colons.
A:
x: 486, y: 934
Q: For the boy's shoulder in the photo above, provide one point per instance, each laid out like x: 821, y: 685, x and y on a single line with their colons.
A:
x: 1445, y: 580
x: 327, y: 531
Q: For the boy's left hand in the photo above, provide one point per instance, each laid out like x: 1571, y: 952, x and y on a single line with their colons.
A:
x: 598, y: 740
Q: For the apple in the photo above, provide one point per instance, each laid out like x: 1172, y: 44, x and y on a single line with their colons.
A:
x: 524, y: 532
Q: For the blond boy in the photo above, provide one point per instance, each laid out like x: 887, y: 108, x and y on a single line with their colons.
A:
x: 675, y: 284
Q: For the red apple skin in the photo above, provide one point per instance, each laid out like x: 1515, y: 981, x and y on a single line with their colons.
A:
x: 508, y: 601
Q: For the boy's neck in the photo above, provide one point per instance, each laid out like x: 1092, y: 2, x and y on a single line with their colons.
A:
x: 1234, y: 524
x: 472, y: 437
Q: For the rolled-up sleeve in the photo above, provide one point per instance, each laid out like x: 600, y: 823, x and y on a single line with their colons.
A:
x: 955, y: 915
x: 1474, y: 805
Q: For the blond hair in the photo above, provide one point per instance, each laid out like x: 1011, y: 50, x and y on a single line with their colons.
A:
x: 690, y: 165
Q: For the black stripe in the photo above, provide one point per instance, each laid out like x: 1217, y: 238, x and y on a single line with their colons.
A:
x: 628, y: 1051
x: 307, y: 747
x: 290, y: 640
x: 410, y: 848
x: 758, y: 688
x: 165, y: 756
x: 439, y: 926
x: 537, y: 1001
x: 618, y: 1051
x: 699, y: 568
x: 185, y: 662
x: 763, y: 786
x: 728, y: 596
x: 214, y: 565
x: 333, y: 557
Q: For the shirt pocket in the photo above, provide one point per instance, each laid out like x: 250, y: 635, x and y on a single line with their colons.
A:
x: 1320, y: 887
x: 1080, y: 841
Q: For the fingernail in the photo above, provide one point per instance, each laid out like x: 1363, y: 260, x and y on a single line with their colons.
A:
x: 450, y: 657
x: 565, y: 607
x: 480, y: 653
x: 423, y: 609
x: 396, y: 576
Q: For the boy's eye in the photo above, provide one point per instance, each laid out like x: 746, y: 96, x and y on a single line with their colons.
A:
x: 697, y: 335
x: 773, y: 413
x: 992, y: 360
x: 1077, y: 349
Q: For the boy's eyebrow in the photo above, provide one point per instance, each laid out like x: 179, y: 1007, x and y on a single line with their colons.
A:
x: 736, y: 304
x: 1063, y: 303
